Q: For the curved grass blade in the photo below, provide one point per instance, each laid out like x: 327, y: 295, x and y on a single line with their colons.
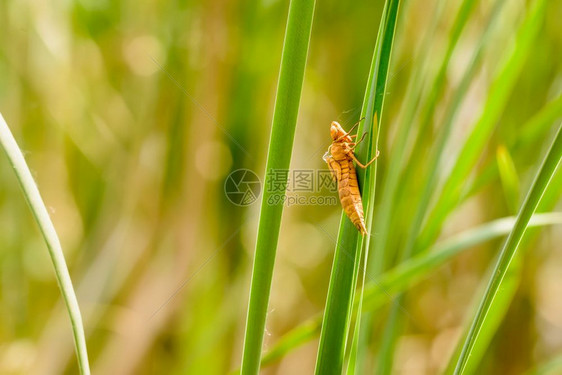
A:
x: 380, y: 290
x: 33, y: 197
x: 494, y: 317
x: 507, y: 254
x: 438, y: 85
x: 447, y: 126
x: 500, y: 90
x: 291, y: 77
x: 506, y: 293
x: 381, y: 257
x: 397, y: 280
x: 536, y: 127
x: 413, y: 96
x: 429, y: 186
x: 541, y: 121
x: 337, y: 315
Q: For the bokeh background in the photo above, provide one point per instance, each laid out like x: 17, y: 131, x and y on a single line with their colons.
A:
x: 132, y: 114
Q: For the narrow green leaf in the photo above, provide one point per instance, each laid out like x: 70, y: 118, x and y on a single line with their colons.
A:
x: 438, y: 85
x: 500, y: 90
x: 33, y: 197
x: 368, y: 193
x: 534, y: 196
x: 493, y: 319
x: 381, y: 290
x: 379, y: 260
x: 541, y: 121
x: 343, y: 280
x: 386, y: 354
x: 505, y: 294
x: 508, y: 178
x: 289, y: 88
x: 533, y: 129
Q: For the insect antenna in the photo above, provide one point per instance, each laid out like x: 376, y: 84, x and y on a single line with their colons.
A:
x: 350, y: 130
x: 355, y: 125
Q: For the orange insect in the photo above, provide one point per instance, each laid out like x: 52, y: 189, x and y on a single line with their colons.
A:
x: 340, y: 158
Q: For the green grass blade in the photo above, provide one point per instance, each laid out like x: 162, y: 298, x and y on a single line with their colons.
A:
x: 506, y: 293
x: 508, y: 178
x: 357, y: 351
x: 295, y: 338
x: 337, y: 315
x: 378, y: 262
x: 500, y: 90
x: 429, y: 185
x: 291, y: 77
x: 368, y: 188
x: 537, y: 190
x: 534, y: 128
x: 428, y: 112
x: 382, y: 255
x: 33, y: 197
x: 447, y: 127
x: 335, y: 323
x: 438, y: 85
x: 493, y: 319
x: 380, y: 290
x: 541, y: 121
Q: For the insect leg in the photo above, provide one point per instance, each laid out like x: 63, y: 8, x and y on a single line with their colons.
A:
x: 359, y: 141
x: 359, y: 163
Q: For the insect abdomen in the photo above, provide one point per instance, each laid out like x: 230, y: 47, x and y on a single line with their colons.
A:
x: 350, y: 197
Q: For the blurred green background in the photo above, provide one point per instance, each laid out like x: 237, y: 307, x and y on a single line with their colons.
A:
x: 131, y: 115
